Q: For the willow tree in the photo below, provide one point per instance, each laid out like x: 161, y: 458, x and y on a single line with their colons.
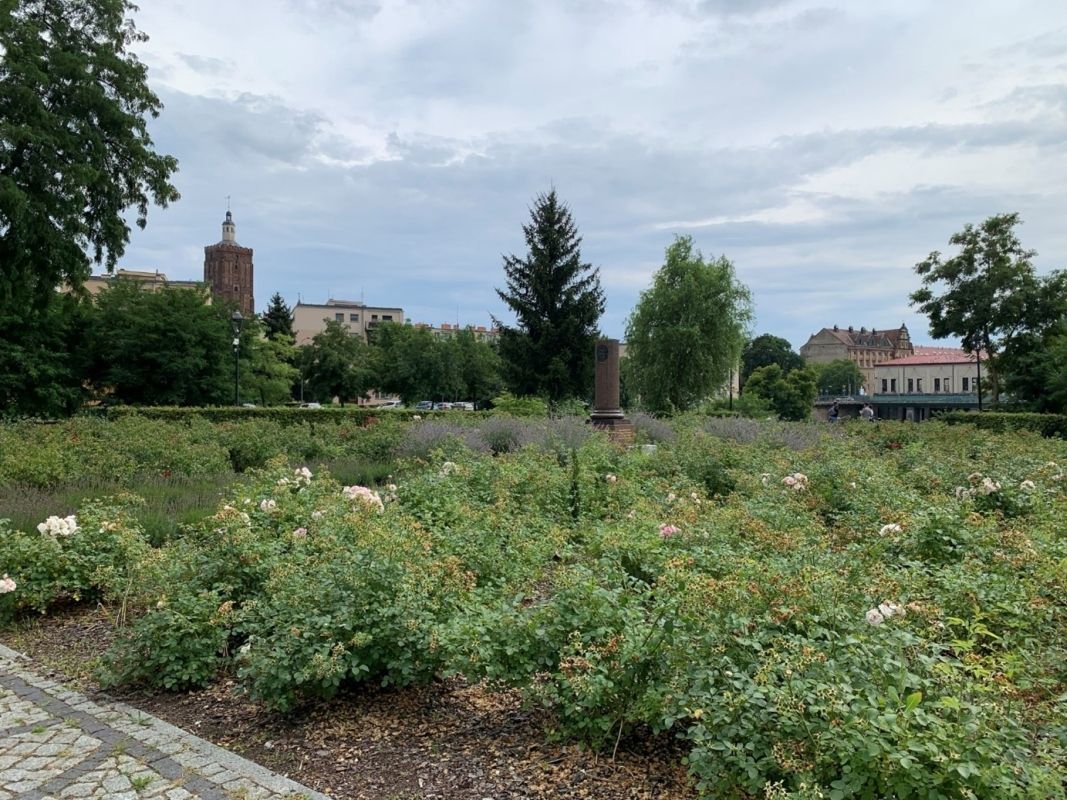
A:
x: 684, y: 337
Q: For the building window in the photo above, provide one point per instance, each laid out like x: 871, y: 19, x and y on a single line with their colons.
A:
x: 885, y: 385
x: 948, y: 384
x: 893, y: 386
x: 374, y: 316
x: 339, y: 317
x: 353, y: 317
x: 387, y: 317
x: 911, y: 385
x: 919, y: 385
x: 937, y: 384
x: 965, y: 382
x: 236, y: 288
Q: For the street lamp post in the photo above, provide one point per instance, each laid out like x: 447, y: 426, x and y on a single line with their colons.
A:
x: 236, y: 320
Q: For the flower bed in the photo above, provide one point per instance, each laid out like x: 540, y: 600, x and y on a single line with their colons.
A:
x: 868, y: 611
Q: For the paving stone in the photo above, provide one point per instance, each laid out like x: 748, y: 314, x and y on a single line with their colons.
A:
x: 55, y: 743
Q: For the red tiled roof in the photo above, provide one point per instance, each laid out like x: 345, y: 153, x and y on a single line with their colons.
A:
x: 932, y: 355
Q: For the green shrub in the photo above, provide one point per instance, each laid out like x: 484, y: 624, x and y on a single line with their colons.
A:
x: 1002, y: 421
x: 507, y: 403
x: 175, y: 645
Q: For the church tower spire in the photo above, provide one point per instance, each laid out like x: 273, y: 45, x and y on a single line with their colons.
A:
x: 229, y: 230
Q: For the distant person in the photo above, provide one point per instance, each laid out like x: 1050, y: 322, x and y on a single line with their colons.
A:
x: 835, y: 412
x: 867, y: 412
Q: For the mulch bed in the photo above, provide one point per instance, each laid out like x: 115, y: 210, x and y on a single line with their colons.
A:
x: 449, y: 740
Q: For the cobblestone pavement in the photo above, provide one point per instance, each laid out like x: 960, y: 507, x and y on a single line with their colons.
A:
x: 56, y: 743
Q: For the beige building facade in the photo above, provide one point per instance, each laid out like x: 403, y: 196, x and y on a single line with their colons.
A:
x: 357, y: 317
x: 930, y: 370
x: 865, y: 348
x: 150, y: 281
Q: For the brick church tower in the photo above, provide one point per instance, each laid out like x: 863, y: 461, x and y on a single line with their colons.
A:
x: 228, y: 269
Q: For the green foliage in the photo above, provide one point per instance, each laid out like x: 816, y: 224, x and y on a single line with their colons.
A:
x: 507, y: 403
x: 792, y: 395
x: 1045, y: 424
x: 41, y: 358
x: 337, y: 364
x: 175, y: 645
x: 86, y: 564
x: 813, y: 610
x: 557, y: 300
x: 1032, y: 362
x: 74, y: 146
x: 837, y: 377
x: 685, y: 335
x: 765, y: 350
x: 267, y: 365
x: 290, y: 415
x: 165, y: 347
x: 990, y: 293
x: 416, y: 365
x: 278, y: 318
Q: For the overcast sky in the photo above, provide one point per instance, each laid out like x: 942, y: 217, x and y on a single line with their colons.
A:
x: 390, y: 149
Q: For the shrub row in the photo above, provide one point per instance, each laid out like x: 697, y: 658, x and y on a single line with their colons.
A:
x: 1047, y: 425
x: 284, y: 415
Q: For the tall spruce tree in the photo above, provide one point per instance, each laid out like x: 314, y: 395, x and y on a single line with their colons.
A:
x: 557, y: 301
x: 278, y: 318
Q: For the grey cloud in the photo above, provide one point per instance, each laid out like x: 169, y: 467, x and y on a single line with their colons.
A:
x: 316, y: 10
x: 206, y: 65
x: 1051, y: 44
x: 246, y: 126
x: 728, y: 7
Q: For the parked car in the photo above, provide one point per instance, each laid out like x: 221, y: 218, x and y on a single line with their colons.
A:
x: 390, y: 404
x: 464, y: 406
x: 311, y: 405
x: 442, y: 406
x: 424, y: 405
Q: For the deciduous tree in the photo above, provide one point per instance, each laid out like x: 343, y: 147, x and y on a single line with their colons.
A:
x: 338, y: 364
x: 268, y: 370
x: 792, y: 395
x: 766, y: 349
x: 165, y: 347
x: 557, y: 301
x: 74, y: 147
x: 685, y: 335
x: 987, y: 294
x: 840, y: 376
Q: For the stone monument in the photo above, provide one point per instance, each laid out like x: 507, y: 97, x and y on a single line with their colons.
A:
x: 607, y: 414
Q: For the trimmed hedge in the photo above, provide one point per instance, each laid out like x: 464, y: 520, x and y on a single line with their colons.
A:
x: 285, y: 415
x: 1048, y: 425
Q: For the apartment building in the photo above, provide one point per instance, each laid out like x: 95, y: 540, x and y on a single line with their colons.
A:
x: 357, y: 317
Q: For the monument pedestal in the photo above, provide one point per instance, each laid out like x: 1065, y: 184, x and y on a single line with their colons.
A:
x: 607, y: 415
x: 619, y: 429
